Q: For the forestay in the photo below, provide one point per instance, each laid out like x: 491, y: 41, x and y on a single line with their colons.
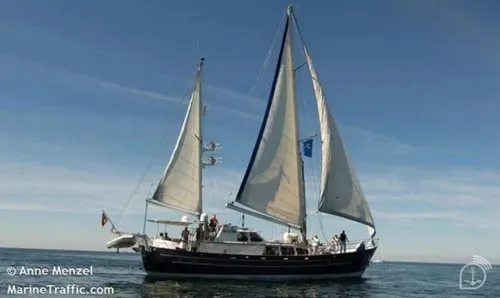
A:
x: 272, y: 184
x: 341, y: 192
x: 180, y: 187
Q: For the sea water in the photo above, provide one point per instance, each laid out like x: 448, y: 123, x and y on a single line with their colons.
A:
x: 111, y: 274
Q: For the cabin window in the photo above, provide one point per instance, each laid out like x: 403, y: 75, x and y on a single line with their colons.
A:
x: 254, y: 237
x: 242, y: 237
x: 271, y: 251
x: 226, y: 229
x: 287, y: 251
x: 301, y: 251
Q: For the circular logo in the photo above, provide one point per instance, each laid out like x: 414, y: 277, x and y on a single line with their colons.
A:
x: 11, y: 271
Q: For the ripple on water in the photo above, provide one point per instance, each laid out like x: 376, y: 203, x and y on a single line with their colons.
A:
x: 124, y: 272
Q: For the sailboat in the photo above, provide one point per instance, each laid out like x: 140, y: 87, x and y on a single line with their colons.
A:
x: 180, y: 188
x: 272, y: 189
x: 377, y: 259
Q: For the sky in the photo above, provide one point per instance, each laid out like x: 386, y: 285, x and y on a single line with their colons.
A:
x: 93, y: 94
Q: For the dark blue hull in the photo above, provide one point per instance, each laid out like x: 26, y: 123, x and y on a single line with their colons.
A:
x: 169, y: 263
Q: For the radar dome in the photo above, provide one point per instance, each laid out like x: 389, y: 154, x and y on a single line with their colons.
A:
x: 204, y: 217
x: 290, y: 237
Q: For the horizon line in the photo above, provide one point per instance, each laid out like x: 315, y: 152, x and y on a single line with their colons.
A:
x: 113, y: 251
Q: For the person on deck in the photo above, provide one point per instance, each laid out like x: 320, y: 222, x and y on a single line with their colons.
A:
x: 335, y: 243
x: 199, y: 231
x: 343, y: 240
x: 206, y: 231
x: 314, y: 244
x: 184, y: 238
x: 213, y: 223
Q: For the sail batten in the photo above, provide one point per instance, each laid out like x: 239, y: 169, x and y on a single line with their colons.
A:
x: 341, y: 192
x: 272, y: 184
x: 180, y: 187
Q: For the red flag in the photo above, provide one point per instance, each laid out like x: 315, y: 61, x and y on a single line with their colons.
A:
x: 104, y: 219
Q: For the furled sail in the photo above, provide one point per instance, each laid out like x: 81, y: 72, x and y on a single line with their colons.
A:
x: 273, y: 184
x: 180, y: 188
x: 341, y: 192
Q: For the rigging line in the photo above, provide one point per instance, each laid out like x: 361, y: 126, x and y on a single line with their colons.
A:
x: 141, y: 179
x: 189, y: 85
x: 316, y: 192
x: 268, y: 56
x: 298, y: 28
x: 313, y: 164
x: 305, y: 112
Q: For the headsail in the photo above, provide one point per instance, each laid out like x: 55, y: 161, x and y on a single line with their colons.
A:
x: 341, y: 192
x: 273, y: 184
x: 181, y: 185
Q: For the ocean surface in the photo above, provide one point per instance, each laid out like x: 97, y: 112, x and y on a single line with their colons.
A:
x: 124, y: 273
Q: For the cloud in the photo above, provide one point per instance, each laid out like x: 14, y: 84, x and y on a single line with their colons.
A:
x: 438, y: 186
x: 16, y: 206
x: 383, y: 144
x: 462, y: 196
x: 41, y: 187
x: 259, y: 102
x: 379, y: 142
x: 460, y: 218
x: 240, y: 114
x: 406, y: 195
x: 88, y: 189
x: 40, y: 71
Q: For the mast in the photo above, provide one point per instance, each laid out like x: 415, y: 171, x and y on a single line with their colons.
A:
x: 303, y: 226
x: 181, y: 185
x: 200, y: 137
x: 272, y: 187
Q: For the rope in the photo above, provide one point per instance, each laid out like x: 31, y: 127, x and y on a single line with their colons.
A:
x: 262, y: 70
x: 154, y: 156
x: 313, y: 164
x: 268, y: 56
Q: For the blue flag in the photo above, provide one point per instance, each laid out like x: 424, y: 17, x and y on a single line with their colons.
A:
x: 308, y: 147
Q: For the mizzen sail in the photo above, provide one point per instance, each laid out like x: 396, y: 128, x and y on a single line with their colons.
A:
x: 272, y: 184
x: 181, y: 185
x: 341, y: 192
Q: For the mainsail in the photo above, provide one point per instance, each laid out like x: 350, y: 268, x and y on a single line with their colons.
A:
x: 273, y: 183
x: 181, y: 185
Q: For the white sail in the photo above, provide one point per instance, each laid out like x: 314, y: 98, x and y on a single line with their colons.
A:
x: 341, y: 192
x: 273, y: 182
x: 180, y: 187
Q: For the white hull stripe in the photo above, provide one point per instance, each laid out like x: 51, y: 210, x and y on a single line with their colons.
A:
x: 304, y: 259
x: 261, y: 266
x: 256, y: 277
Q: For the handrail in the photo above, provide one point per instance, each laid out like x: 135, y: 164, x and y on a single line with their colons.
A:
x: 328, y: 247
x: 350, y: 245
